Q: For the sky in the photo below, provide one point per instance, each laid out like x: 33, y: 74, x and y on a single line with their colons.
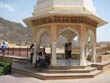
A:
x: 17, y: 10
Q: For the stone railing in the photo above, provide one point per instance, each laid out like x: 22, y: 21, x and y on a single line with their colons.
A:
x: 23, y: 52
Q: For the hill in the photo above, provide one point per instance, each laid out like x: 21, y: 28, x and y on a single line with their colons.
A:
x: 13, y: 32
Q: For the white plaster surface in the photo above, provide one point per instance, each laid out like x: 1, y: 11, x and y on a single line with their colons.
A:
x: 64, y: 6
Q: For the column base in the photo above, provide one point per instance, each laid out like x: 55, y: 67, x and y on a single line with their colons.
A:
x: 83, y: 63
x: 92, y: 60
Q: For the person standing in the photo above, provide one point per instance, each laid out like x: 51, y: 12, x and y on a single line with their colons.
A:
x: 31, y: 53
x: 69, y: 49
x: 3, y: 48
x: 66, y: 50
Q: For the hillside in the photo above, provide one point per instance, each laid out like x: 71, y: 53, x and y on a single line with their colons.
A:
x: 13, y: 32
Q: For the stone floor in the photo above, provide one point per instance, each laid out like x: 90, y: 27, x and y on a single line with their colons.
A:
x: 17, y: 78
x: 70, y: 62
x: 60, y: 62
x: 67, y: 62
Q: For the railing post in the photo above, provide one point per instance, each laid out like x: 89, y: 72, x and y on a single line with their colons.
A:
x: 0, y: 50
x: 19, y: 51
x: 27, y: 51
x: 8, y: 50
x: 13, y: 50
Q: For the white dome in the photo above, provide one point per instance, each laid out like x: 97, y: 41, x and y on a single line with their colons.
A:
x: 64, y: 6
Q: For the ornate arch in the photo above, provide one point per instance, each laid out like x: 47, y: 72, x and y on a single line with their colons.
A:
x: 68, y: 28
x: 40, y: 33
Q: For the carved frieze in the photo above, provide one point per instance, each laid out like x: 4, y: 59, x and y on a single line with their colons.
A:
x: 64, y: 19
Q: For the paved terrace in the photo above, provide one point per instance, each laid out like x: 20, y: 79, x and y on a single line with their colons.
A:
x: 14, y: 57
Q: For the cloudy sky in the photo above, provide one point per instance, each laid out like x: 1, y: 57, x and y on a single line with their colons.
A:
x: 17, y: 10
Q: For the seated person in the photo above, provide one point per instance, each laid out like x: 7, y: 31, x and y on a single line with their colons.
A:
x: 47, y: 57
x: 42, y: 63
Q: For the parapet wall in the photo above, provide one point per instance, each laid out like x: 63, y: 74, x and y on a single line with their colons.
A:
x: 104, y: 58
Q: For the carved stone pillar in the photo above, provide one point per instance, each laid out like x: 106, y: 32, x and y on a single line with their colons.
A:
x: 93, y: 53
x: 53, y: 44
x: 34, y: 57
x: 87, y: 51
x: 82, y: 45
x: 53, y: 51
x: 36, y: 49
x: 94, y: 48
x: 82, y: 54
x: 34, y: 37
x: 36, y: 44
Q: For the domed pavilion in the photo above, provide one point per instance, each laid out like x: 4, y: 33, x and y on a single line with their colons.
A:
x: 69, y: 18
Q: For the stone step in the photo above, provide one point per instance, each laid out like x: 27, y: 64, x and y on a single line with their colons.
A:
x: 69, y: 75
x: 68, y: 67
x: 30, y: 71
x: 47, y: 76
x: 86, y: 70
